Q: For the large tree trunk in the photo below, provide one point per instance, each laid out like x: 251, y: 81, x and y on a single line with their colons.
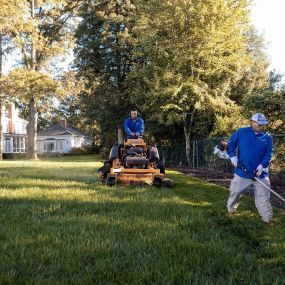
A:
x: 187, y: 126
x: 2, y: 112
x: 1, y: 104
x: 33, y: 118
x: 32, y: 131
x: 187, y: 134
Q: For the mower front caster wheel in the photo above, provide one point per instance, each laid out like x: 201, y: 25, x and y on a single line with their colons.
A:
x: 111, y: 181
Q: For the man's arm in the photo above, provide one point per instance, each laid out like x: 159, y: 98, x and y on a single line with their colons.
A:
x: 126, y: 127
x: 232, y: 144
x: 141, y: 127
x: 268, y: 154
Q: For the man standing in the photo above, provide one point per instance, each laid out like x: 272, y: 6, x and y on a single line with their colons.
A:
x: 134, y: 125
x: 250, y: 150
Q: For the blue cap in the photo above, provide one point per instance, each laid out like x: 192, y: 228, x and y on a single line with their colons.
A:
x: 259, y: 118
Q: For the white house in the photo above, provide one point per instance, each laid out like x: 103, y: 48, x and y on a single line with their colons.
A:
x: 15, y: 131
x: 61, y: 138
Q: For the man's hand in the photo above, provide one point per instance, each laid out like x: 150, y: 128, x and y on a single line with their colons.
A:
x: 259, y: 170
x: 137, y: 134
x: 234, y: 161
x: 133, y: 134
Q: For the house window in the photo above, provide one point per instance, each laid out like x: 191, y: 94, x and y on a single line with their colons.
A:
x: 7, y: 146
x: 48, y: 146
x: 59, y: 146
x: 6, y: 127
x: 77, y: 142
x: 19, y: 145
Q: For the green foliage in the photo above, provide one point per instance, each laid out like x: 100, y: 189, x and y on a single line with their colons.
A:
x: 50, y: 32
x: 88, y: 149
x: 272, y: 104
x: 185, y: 64
x: 29, y: 84
x: 104, y: 55
x: 254, y: 76
x: 278, y: 159
x: 197, y: 61
x: 275, y: 79
x: 60, y: 225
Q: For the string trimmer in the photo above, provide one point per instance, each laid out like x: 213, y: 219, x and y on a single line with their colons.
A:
x: 221, y: 151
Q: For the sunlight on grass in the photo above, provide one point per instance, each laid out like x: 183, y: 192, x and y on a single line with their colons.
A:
x: 60, y: 225
x: 179, y: 201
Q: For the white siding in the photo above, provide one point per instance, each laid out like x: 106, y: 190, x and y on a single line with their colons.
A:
x: 56, y: 144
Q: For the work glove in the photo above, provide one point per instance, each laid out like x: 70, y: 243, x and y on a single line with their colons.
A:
x: 258, y: 170
x: 234, y: 161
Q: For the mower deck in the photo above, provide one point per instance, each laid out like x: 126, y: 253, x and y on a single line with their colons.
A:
x: 131, y: 176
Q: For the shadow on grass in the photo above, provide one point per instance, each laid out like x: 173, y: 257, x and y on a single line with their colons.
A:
x: 111, y: 241
x: 199, y: 216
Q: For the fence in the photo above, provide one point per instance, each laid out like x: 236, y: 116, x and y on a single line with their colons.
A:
x: 202, y: 154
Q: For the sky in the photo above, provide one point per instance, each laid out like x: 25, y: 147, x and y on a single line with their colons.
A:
x: 268, y: 18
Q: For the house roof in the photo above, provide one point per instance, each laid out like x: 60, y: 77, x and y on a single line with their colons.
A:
x: 60, y: 130
x: 21, y: 120
x: 18, y: 119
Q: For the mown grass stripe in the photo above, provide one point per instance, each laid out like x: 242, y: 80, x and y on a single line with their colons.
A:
x: 60, y: 225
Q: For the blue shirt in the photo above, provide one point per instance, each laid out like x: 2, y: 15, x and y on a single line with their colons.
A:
x: 136, y: 126
x: 251, y: 149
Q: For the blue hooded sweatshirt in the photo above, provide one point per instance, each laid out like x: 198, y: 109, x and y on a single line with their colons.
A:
x: 134, y: 127
x: 251, y: 149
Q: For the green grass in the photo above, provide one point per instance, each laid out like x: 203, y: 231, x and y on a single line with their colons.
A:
x: 59, y: 225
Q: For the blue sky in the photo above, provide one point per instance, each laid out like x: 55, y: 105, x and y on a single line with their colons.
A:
x: 268, y: 18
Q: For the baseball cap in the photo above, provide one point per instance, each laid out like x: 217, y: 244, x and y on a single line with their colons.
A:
x: 259, y: 118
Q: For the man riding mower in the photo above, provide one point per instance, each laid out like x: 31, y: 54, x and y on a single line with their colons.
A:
x: 133, y: 162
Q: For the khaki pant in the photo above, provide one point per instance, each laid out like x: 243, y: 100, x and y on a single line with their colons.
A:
x: 261, y: 195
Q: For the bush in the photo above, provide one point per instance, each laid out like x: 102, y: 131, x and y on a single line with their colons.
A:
x: 87, y: 149
x: 278, y: 162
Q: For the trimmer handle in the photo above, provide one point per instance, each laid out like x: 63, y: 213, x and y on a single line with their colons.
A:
x: 222, y: 145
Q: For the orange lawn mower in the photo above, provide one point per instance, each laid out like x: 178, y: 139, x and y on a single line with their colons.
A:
x: 134, y: 163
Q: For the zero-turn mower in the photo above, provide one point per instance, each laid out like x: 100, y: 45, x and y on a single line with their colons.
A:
x: 134, y: 163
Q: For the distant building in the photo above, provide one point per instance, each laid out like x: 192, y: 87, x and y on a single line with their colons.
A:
x: 61, y: 138
x: 15, y: 131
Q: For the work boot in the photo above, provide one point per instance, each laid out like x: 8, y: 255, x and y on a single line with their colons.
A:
x: 269, y: 223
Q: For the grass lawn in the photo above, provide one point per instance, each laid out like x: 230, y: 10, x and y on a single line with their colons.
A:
x: 59, y: 225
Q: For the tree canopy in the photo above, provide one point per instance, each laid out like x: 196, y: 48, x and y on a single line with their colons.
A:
x: 197, y: 53
x: 193, y: 68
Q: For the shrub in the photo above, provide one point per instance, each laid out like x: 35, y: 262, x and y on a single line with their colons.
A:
x: 87, y: 149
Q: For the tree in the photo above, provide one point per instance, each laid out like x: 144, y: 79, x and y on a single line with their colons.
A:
x: 275, y: 80
x: 255, y: 76
x: 197, y: 51
x: 104, y: 57
x: 50, y: 36
x: 270, y: 101
x: 25, y: 83
x: 11, y: 23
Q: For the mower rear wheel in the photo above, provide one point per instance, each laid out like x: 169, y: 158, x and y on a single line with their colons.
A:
x: 157, y: 181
